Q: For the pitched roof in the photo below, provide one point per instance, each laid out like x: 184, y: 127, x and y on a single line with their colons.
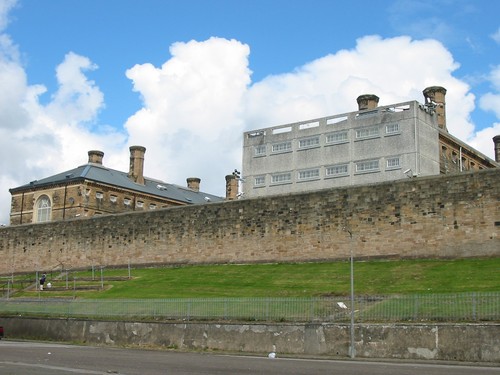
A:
x: 98, y: 173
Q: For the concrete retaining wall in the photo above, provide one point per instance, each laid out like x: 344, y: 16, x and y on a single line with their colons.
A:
x: 455, y: 342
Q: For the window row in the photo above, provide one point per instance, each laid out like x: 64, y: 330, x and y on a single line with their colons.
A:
x: 338, y: 137
x: 339, y: 170
x: 126, y: 201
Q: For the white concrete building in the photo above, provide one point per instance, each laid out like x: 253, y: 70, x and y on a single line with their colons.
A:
x: 374, y: 144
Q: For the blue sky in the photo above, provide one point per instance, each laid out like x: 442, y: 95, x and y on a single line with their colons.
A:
x: 186, y: 78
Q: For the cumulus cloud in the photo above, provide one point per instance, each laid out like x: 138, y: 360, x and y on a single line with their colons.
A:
x: 5, y: 7
x: 191, y: 121
x: 395, y: 69
x: 496, y: 36
x: 38, y: 140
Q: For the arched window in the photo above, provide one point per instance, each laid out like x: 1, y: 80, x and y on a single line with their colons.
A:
x: 43, y: 209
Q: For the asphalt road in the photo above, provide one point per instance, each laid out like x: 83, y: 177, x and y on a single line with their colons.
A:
x: 30, y: 358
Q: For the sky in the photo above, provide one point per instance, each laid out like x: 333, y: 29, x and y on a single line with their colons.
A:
x: 186, y: 78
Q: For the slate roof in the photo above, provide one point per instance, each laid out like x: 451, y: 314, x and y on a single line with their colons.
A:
x: 99, y: 173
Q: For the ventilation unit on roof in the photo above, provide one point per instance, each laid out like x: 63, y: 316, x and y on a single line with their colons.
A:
x: 207, y: 199
x: 161, y: 187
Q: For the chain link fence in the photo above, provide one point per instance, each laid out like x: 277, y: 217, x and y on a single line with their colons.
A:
x: 457, y: 307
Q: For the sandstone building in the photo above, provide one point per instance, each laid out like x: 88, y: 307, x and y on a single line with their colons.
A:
x: 93, y: 189
x: 373, y: 144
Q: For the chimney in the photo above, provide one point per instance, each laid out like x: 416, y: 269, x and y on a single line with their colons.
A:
x: 136, y: 171
x: 368, y: 101
x: 95, y: 157
x: 496, y: 141
x: 435, y: 95
x: 193, y: 183
x: 231, y: 187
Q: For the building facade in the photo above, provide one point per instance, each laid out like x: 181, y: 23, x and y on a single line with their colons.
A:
x: 93, y: 189
x: 373, y: 144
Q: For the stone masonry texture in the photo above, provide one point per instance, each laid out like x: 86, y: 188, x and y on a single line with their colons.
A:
x: 450, y: 216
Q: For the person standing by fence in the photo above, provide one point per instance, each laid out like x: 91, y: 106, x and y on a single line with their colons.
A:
x: 42, y: 281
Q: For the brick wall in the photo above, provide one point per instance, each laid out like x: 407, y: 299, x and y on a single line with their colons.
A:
x: 444, y: 216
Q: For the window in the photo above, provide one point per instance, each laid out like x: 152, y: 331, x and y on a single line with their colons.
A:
x: 309, y: 174
x: 367, y: 132
x: 126, y: 201
x: 152, y: 206
x: 393, y: 163
x: 260, y: 150
x: 309, y: 142
x: 367, y: 166
x: 392, y: 129
x: 139, y: 204
x: 260, y: 180
x: 43, y: 209
x: 113, y: 198
x: 282, y: 147
x: 99, y: 195
x: 337, y: 137
x: 336, y: 170
x: 282, y: 178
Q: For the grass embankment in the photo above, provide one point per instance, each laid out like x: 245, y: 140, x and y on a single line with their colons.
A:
x: 287, y: 280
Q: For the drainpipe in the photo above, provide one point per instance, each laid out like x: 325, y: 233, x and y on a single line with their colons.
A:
x: 22, y: 206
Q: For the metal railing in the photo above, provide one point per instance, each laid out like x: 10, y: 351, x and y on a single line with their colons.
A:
x: 457, y: 307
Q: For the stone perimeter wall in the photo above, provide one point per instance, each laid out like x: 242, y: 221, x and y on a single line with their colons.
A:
x: 448, y: 342
x: 448, y: 216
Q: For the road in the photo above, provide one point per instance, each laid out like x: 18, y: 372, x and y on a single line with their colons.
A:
x: 30, y: 358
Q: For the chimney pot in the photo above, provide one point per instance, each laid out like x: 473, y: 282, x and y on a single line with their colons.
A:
x: 496, y: 141
x: 231, y: 187
x: 437, y: 95
x: 367, y: 101
x: 136, y: 171
x: 96, y: 156
x: 193, y: 183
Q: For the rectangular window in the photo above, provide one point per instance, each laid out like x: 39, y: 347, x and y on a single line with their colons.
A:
x: 367, y: 166
x: 309, y: 174
x: 393, y: 163
x: 260, y: 150
x: 309, y: 142
x: 337, y: 137
x: 260, y: 180
x: 281, y: 178
x: 392, y: 129
x: 370, y: 132
x: 282, y: 147
x: 337, y: 170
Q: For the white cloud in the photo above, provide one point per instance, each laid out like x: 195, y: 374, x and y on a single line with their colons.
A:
x: 191, y: 122
x: 496, y: 36
x: 395, y: 69
x: 5, y: 7
x: 39, y: 140
x: 489, y: 102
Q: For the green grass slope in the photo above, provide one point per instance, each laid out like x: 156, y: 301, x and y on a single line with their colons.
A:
x: 285, y: 280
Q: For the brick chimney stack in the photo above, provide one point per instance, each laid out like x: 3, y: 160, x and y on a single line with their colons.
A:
x: 95, y: 157
x: 136, y: 171
x: 193, y: 183
x: 368, y: 101
x: 436, y: 95
x: 496, y: 141
x: 231, y: 187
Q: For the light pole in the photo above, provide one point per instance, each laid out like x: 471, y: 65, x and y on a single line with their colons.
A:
x: 352, y: 350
